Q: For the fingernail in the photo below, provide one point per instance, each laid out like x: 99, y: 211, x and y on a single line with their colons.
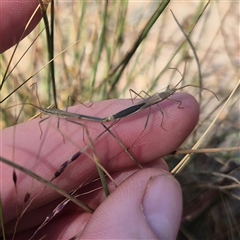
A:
x: 162, y: 206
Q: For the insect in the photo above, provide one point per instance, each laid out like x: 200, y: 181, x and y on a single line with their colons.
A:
x: 69, y: 116
x: 143, y: 104
x: 60, y: 114
x: 150, y: 101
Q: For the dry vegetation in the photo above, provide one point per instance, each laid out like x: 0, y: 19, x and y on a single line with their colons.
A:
x: 87, y: 71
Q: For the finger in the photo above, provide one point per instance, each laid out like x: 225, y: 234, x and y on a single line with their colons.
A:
x: 46, y: 155
x: 92, y: 194
x: 65, y: 227
x: 95, y: 191
x: 148, y: 205
x: 14, y: 17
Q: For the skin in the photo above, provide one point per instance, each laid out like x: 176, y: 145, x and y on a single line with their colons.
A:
x: 147, y: 204
x: 14, y: 17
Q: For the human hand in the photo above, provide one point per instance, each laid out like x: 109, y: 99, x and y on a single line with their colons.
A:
x: 146, y: 204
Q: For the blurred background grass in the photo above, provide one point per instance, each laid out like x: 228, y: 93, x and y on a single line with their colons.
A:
x: 83, y: 70
x: 105, y: 33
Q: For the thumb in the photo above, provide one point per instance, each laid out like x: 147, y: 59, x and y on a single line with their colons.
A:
x: 147, y: 205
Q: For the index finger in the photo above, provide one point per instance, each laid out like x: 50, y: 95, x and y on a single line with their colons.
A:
x: 45, y: 156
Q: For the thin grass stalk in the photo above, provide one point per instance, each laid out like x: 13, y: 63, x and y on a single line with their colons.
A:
x: 123, y: 63
x: 153, y: 85
x: 103, y: 180
x: 50, y: 38
x: 2, y: 220
x: 47, y: 183
x: 113, y: 46
x: 194, y: 53
x: 100, y: 47
x: 52, y: 65
x: 79, y: 27
x: 24, y: 82
x: 15, y: 49
x: 186, y: 159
